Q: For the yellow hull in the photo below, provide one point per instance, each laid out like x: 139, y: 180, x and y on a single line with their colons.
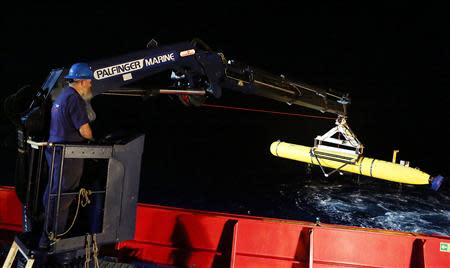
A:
x: 365, y: 166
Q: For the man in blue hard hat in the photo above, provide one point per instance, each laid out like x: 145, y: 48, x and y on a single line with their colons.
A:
x: 69, y: 123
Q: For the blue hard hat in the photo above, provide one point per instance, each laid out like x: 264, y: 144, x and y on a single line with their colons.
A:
x: 80, y: 71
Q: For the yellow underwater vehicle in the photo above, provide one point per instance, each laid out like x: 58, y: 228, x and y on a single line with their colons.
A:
x: 345, y: 153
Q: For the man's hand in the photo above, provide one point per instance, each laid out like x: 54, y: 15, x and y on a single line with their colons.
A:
x: 86, y: 132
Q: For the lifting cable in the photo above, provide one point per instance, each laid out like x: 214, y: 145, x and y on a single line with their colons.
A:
x: 266, y: 111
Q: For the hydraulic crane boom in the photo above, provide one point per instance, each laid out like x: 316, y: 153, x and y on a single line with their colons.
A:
x: 244, y: 78
x: 199, y: 71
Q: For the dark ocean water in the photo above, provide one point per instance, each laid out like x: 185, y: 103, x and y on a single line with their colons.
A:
x: 377, y: 206
x: 346, y: 200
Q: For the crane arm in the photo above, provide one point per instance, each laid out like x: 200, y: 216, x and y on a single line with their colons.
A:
x: 195, y: 71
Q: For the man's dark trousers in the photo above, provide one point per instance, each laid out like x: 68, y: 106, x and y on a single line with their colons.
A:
x: 71, y: 175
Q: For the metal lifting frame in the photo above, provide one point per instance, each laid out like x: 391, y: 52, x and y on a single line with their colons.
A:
x: 347, y: 150
x: 351, y: 143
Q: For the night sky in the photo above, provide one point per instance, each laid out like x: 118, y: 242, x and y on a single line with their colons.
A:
x: 393, y: 59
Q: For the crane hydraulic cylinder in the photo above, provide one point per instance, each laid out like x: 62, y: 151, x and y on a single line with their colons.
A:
x: 363, y: 165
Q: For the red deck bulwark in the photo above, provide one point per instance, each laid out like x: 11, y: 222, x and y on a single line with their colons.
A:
x: 10, y: 210
x: 204, y: 239
x: 190, y: 238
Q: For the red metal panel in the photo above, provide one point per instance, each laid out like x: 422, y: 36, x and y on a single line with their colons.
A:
x: 258, y: 262
x: 434, y: 255
x: 184, y: 229
x: 362, y: 248
x: 10, y: 210
x: 167, y: 255
x: 181, y: 238
x: 272, y: 238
